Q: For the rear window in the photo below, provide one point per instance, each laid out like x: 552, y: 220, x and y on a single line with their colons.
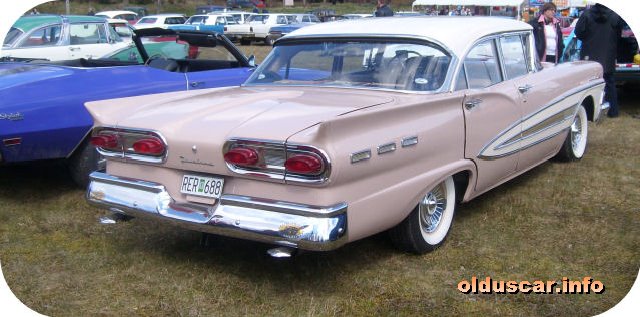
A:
x: 12, y: 36
x: 147, y: 21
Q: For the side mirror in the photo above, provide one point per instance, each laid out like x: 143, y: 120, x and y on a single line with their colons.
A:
x: 252, y: 61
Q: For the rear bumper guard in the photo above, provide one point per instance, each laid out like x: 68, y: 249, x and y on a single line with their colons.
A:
x: 306, y: 227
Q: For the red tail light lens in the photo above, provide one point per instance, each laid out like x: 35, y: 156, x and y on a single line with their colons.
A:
x: 241, y: 156
x: 303, y: 164
x: 149, y: 146
x: 107, y: 141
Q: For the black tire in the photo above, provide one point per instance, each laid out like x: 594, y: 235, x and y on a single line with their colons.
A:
x: 575, y: 145
x: 268, y: 41
x: 418, y: 233
x: 83, y: 162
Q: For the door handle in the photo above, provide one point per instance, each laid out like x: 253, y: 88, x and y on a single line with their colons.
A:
x: 524, y: 89
x: 472, y: 103
x: 195, y: 84
x: 73, y: 48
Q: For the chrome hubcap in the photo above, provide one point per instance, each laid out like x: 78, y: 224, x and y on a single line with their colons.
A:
x: 576, y: 133
x: 432, y: 207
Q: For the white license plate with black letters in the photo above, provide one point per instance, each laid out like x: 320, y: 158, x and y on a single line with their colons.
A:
x: 202, y: 186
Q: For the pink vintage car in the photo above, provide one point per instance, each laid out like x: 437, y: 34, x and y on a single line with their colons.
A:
x: 348, y: 129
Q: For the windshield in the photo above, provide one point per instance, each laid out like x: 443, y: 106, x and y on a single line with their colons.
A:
x: 393, y: 65
x: 13, y: 34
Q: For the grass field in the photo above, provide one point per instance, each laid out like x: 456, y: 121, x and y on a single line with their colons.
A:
x: 558, y: 220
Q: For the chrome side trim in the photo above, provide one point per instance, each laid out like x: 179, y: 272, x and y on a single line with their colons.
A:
x: 317, y: 228
x: 535, y: 127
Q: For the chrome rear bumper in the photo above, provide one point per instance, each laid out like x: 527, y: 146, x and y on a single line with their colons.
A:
x: 283, y: 223
x: 604, y: 108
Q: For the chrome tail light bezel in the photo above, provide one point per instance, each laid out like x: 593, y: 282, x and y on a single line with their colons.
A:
x: 272, y: 168
x: 126, y: 138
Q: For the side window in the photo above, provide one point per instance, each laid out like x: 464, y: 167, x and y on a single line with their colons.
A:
x: 481, y: 65
x: 87, y: 33
x: 220, y: 21
x: 515, y: 63
x: 46, y: 36
x: 281, y: 19
x: 461, y: 82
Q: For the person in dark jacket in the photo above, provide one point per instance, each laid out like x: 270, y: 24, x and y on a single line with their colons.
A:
x: 547, y: 34
x: 599, y: 29
x: 383, y: 9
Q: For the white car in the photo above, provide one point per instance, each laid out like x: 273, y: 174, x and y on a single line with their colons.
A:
x: 232, y: 29
x: 130, y: 16
x: 159, y: 21
x: 306, y: 18
x: 241, y: 16
x: 123, y: 28
x: 261, y: 24
x: 54, y: 38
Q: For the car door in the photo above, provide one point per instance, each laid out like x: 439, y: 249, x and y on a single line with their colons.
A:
x: 43, y: 43
x: 544, y: 116
x: 217, y: 68
x: 492, y: 114
x: 90, y: 40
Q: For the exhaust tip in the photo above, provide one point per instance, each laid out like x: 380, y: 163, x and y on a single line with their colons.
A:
x: 281, y: 252
x: 114, y: 218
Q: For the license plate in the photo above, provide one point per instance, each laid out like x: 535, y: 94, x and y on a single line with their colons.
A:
x: 202, y: 186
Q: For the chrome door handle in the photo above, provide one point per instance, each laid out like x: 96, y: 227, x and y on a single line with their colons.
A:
x: 73, y: 48
x: 524, y: 89
x: 472, y: 103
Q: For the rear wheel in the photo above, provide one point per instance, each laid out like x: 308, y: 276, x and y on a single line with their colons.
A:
x: 426, y: 228
x: 268, y: 41
x: 83, y: 162
x: 575, y: 145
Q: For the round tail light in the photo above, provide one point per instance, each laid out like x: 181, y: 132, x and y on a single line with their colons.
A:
x: 108, y: 141
x: 303, y: 164
x: 241, y: 156
x: 150, y: 146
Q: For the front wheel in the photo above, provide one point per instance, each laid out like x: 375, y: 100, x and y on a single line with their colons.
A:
x: 426, y: 228
x: 575, y: 145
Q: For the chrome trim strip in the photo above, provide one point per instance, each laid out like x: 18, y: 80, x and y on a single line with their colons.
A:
x: 386, y: 148
x: 409, y: 141
x: 519, y: 135
x: 317, y: 228
x: 360, y: 156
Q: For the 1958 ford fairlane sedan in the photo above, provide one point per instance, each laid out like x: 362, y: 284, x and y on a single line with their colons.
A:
x: 348, y: 129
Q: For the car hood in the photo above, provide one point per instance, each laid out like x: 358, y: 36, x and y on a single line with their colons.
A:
x: 205, y: 119
x: 16, y: 74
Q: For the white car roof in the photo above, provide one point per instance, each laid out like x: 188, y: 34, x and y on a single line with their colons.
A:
x: 112, y: 13
x: 455, y: 33
x: 164, y: 15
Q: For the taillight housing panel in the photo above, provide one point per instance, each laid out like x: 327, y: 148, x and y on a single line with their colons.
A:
x: 277, y: 161
x: 132, y: 144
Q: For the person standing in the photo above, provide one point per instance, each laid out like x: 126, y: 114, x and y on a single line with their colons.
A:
x: 547, y: 34
x: 383, y: 9
x: 599, y: 29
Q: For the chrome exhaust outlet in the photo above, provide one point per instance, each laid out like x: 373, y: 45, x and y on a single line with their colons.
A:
x: 114, y: 217
x: 281, y: 252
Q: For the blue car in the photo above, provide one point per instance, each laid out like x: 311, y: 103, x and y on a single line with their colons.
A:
x: 42, y: 113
